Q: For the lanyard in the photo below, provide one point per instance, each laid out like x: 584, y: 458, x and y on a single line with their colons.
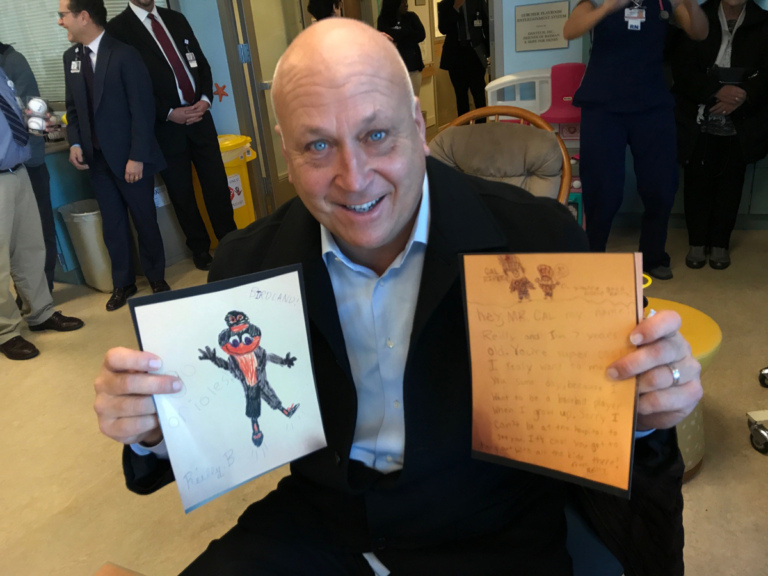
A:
x: 663, y: 14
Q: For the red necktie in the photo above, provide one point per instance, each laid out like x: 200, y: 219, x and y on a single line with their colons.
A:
x: 178, y: 67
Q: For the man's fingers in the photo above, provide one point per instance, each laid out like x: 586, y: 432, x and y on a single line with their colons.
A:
x: 126, y: 359
x: 660, y: 325
x: 659, y: 353
x: 138, y: 383
x: 662, y: 377
x: 115, y: 407
x: 665, y: 408
x: 128, y: 430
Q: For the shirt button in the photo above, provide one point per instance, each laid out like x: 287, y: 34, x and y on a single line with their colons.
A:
x: 397, y: 404
x: 337, y: 259
x: 389, y: 458
x: 390, y: 344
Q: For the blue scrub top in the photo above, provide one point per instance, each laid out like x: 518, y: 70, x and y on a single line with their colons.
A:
x: 625, y: 72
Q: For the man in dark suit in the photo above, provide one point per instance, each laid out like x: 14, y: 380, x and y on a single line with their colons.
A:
x: 466, y: 49
x: 378, y: 228
x: 110, y: 130
x: 183, y: 88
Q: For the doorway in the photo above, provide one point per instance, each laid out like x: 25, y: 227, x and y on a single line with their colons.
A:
x: 263, y: 29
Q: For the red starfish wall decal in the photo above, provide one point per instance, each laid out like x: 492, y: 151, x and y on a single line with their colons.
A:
x: 220, y: 91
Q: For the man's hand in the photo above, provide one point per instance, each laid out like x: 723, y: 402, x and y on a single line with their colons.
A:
x: 124, y: 391
x: 134, y: 171
x: 76, y: 158
x: 388, y: 37
x: 661, y: 349
x: 179, y: 115
x: 196, y: 112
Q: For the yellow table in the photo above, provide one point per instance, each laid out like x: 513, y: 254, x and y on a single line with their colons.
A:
x: 704, y: 336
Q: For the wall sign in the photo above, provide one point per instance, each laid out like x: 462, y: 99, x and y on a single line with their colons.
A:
x: 540, y: 26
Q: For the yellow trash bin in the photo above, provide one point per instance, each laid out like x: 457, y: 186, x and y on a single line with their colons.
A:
x: 236, y: 152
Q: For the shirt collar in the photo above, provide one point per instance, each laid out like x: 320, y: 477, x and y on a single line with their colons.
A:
x: 419, y: 235
x: 142, y: 14
x: 94, y: 46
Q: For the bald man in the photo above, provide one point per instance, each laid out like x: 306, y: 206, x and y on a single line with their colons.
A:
x: 378, y: 228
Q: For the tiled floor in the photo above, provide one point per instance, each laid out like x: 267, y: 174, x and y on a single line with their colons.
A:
x: 65, y: 510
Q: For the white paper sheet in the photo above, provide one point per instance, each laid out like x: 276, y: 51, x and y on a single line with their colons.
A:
x: 209, y: 437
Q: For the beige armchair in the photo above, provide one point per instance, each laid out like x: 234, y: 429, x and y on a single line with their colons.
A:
x: 534, y: 158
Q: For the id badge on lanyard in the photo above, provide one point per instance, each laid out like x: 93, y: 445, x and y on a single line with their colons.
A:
x: 634, y: 17
x: 190, y: 56
x: 74, y: 68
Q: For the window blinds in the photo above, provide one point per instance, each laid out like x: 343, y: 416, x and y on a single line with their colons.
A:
x: 32, y: 29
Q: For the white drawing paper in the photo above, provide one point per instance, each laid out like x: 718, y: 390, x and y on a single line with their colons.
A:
x: 236, y: 348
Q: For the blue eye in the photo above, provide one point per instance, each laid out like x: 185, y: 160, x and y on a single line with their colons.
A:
x: 378, y: 135
x: 234, y: 342
x: 247, y: 340
x: 319, y: 146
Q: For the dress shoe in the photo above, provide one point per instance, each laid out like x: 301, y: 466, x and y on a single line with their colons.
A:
x: 59, y: 322
x: 660, y: 272
x: 697, y: 257
x: 19, y: 349
x: 719, y: 258
x: 119, y: 296
x: 202, y: 260
x: 159, y: 286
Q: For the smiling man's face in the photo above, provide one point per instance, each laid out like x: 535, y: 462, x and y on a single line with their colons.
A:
x: 354, y: 140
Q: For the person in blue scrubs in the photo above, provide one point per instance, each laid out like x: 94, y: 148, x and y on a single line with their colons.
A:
x: 624, y: 101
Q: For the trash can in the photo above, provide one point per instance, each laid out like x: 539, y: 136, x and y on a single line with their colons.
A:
x: 236, y: 152
x: 174, y: 242
x: 84, y: 225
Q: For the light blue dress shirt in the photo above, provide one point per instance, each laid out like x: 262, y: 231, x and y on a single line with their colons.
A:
x: 376, y: 315
x: 11, y: 153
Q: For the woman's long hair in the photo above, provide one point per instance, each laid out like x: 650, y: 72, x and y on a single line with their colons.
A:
x: 389, y: 12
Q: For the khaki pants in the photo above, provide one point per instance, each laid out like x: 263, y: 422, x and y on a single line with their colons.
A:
x: 22, y: 256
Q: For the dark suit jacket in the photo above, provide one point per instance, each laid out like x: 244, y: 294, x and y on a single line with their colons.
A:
x: 123, y: 110
x: 442, y: 494
x: 129, y: 29
x: 448, y: 24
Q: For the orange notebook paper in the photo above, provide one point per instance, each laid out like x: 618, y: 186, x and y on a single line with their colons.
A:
x: 542, y: 330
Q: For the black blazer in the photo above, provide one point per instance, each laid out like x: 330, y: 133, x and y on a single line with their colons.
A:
x: 129, y: 29
x: 442, y: 494
x: 124, y: 112
x: 448, y: 24
x: 694, y: 84
x: 406, y: 31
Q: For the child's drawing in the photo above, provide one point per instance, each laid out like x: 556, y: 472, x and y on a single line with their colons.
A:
x: 522, y: 286
x: 511, y: 263
x: 546, y: 280
x: 248, y: 363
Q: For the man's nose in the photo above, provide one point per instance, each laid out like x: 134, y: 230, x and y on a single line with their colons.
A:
x: 354, y: 173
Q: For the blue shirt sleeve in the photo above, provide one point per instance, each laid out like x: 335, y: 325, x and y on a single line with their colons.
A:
x: 11, y: 153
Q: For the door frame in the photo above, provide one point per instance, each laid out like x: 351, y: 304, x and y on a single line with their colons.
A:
x: 249, y: 90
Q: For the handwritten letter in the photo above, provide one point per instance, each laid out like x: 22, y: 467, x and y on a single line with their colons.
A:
x: 543, y: 329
